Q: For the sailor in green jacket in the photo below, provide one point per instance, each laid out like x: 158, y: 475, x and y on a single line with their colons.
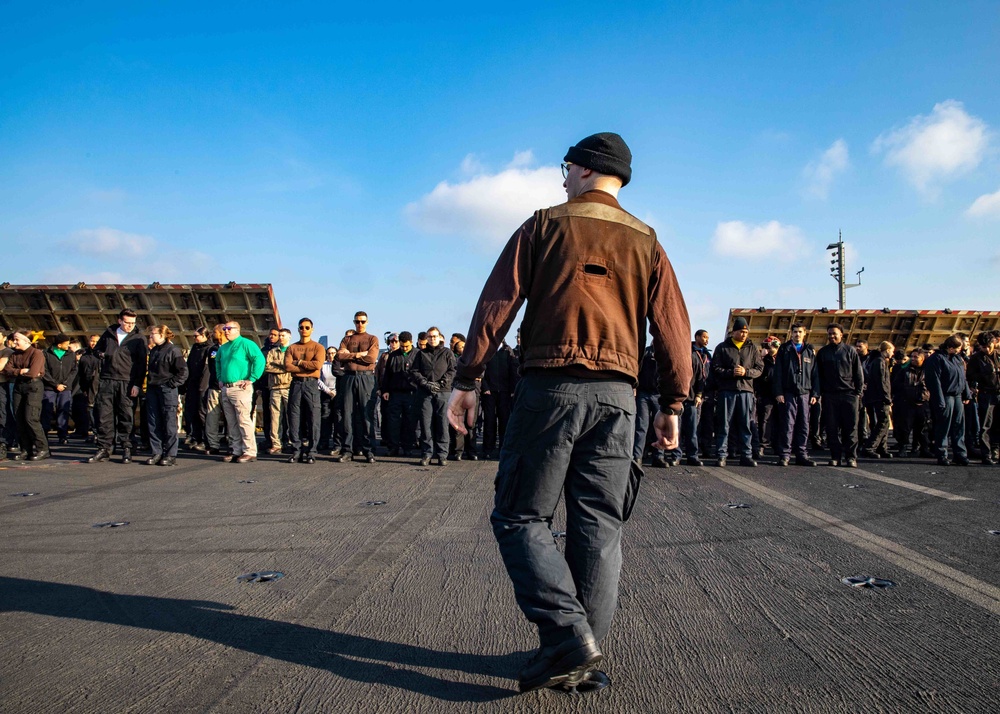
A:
x: 238, y: 364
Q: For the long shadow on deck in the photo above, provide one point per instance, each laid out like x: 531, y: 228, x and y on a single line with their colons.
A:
x: 307, y: 646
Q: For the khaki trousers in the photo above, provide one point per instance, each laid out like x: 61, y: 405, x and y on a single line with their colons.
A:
x: 279, y: 404
x: 237, y: 403
x: 213, y: 415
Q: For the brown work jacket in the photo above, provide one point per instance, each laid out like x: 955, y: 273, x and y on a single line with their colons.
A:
x: 592, y: 274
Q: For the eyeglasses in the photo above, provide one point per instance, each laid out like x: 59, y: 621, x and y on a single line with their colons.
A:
x: 304, y: 328
x: 229, y: 329
x: 393, y: 341
x: 565, y: 168
x: 360, y: 322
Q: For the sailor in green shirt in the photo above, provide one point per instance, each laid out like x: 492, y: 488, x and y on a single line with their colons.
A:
x: 238, y: 364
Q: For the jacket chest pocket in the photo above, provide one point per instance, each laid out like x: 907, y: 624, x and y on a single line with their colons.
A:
x: 595, y: 270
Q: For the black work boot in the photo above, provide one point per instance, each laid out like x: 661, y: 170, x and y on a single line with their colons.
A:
x: 568, y: 661
x: 101, y: 455
x: 127, y: 455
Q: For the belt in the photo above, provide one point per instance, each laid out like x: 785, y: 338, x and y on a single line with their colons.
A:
x: 231, y: 384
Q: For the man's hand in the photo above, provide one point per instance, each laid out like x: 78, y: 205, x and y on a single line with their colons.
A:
x: 667, y: 431
x: 780, y: 399
x: 385, y: 396
x: 60, y: 387
x: 739, y: 370
x: 697, y: 402
x: 813, y: 401
x: 134, y: 392
x: 462, y: 410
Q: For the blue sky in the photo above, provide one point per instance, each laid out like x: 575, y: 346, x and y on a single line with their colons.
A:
x: 378, y: 157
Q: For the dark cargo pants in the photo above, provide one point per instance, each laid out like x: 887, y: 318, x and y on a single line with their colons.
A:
x: 28, y: 417
x: 949, y: 425
x: 303, y: 405
x: 401, y: 425
x: 115, y: 414
x: 161, y: 413
x: 989, y: 425
x: 840, y: 412
x: 734, y: 411
x: 496, y: 414
x: 689, y: 430
x: 879, y: 416
x: 58, y: 406
x: 359, y: 411
x: 646, y: 406
x: 792, y: 430
x: 434, y: 424
x: 572, y: 436
x: 910, y: 423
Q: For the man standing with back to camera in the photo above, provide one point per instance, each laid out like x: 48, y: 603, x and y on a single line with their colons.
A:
x: 591, y: 275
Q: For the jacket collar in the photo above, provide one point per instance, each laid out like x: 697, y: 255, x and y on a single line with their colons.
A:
x: 596, y: 196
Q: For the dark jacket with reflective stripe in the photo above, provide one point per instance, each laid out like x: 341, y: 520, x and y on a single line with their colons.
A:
x: 795, y: 372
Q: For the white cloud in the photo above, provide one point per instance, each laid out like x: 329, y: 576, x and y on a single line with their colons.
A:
x: 819, y: 174
x: 471, y: 165
x: 931, y: 149
x: 488, y: 208
x: 71, y: 275
x: 132, y: 258
x: 772, y: 240
x: 110, y: 241
x: 986, y: 206
x: 522, y: 159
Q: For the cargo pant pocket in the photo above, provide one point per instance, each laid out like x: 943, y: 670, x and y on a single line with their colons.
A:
x: 505, y: 483
x: 632, y: 490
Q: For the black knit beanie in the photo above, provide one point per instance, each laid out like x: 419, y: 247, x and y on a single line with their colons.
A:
x: 606, y: 153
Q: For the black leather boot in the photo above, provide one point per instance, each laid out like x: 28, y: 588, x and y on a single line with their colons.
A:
x: 101, y: 455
